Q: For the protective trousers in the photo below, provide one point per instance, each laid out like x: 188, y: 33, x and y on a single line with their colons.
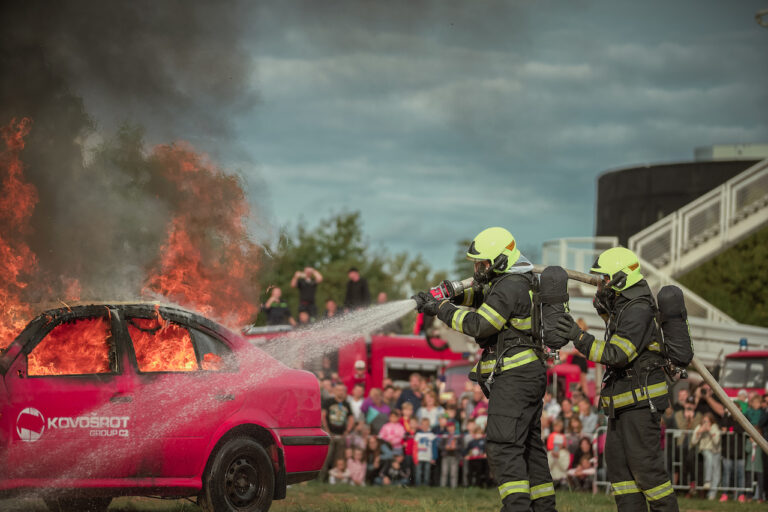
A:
x: 635, y: 463
x: 516, y: 453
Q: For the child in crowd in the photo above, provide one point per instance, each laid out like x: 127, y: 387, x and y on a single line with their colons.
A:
x: 430, y: 409
x: 394, y: 473
x: 450, y: 454
x: 393, y: 432
x: 356, y: 468
x: 580, y: 477
x: 707, y: 438
x: 410, y: 445
x: 477, y: 464
x: 754, y: 452
x: 372, y: 457
x: 339, y: 473
x: 356, y: 438
x: 558, y: 457
x: 426, y: 452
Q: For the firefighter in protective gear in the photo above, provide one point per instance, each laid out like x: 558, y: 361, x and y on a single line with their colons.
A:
x: 511, y: 370
x: 635, y: 387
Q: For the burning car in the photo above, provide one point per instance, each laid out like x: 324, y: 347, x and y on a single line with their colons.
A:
x: 98, y: 401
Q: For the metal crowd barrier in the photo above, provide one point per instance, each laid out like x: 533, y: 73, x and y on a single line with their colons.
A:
x: 685, y: 464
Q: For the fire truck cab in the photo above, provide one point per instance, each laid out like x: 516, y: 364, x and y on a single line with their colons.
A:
x: 745, y: 369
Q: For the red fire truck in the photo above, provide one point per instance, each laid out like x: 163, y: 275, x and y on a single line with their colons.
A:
x: 745, y: 369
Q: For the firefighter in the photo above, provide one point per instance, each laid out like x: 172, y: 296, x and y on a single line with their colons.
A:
x: 511, y: 370
x: 635, y: 387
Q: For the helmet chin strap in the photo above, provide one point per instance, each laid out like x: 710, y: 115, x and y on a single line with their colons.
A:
x: 618, y: 281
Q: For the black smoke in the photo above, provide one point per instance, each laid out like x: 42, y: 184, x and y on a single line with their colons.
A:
x: 99, y: 80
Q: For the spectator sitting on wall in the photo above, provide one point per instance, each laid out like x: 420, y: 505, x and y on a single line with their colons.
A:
x: 304, y: 320
x: 277, y: 310
x: 357, y: 295
x: 307, y: 282
x: 331, y: 309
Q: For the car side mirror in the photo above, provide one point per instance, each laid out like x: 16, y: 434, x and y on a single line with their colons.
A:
x: 21, y: 373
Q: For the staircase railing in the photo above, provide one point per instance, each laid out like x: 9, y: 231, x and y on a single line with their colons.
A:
x: 580, y: 253
x: 708, y: 225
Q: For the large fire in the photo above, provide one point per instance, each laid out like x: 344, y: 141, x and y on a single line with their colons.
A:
x: 161, y: 346
x: 208, y: 261
x: 17, y: 261
x: 75, y: 348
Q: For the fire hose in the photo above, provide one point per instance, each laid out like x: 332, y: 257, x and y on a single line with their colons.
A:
x: 459, y: 286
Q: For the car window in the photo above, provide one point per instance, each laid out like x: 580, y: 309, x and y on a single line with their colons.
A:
x: 161, y: 345
x: 80, y: 347
x: 214, y: 354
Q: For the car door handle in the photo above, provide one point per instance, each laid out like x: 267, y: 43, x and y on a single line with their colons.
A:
x: 121, y: 399
x: 224, y: 397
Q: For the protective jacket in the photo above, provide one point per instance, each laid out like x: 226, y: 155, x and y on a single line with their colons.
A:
x: 513, y: 376
x: 501, y: 324
x: 632, y: 352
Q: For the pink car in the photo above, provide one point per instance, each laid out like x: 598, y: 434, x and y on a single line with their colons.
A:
x: 108, y: 400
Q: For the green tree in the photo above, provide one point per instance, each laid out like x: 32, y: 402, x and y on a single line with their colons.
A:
x: 735, y: 281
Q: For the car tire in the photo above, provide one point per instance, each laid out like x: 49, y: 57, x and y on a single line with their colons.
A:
x: 78, y: 504
x: 240, y: 478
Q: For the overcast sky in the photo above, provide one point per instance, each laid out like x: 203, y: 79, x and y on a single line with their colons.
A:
x: 438, y: 119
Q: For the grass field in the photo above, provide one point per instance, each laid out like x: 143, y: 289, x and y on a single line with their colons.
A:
x: 340, y: 498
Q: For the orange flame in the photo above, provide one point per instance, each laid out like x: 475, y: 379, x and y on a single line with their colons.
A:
x: 77, y: 348
x: 161, y: 346
x: 208, y: 261
x: 17, y: 261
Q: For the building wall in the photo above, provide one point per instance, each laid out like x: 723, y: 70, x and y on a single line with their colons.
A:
x: 629, y: 200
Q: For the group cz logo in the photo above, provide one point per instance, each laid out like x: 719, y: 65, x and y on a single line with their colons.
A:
x: 30, y: 425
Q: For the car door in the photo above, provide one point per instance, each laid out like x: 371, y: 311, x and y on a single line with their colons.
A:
x: 70, y: 400
x: 186, y: 387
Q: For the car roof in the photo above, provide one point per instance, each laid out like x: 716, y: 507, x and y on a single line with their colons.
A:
x: 133, y: 308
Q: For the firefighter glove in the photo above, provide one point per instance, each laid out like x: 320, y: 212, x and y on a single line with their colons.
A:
x: 425, y: 303
x: 567, y: 328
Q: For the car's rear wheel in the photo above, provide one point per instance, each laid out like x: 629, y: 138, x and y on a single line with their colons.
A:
x: 78, y: 504
x: 240, y: 478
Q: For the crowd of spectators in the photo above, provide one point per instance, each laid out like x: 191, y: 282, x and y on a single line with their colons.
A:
x: 278, y: 313
x: 419, y: 435
x: 709, y: 451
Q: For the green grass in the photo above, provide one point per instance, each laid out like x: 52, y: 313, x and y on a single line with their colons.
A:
x: 314, y: 497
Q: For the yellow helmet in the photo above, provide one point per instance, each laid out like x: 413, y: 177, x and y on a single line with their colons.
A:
x: 496, y: 245
x: 620, y: 265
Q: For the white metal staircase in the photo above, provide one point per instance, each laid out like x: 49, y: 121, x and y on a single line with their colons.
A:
x: 712, y: 330
x: 708, y: 225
